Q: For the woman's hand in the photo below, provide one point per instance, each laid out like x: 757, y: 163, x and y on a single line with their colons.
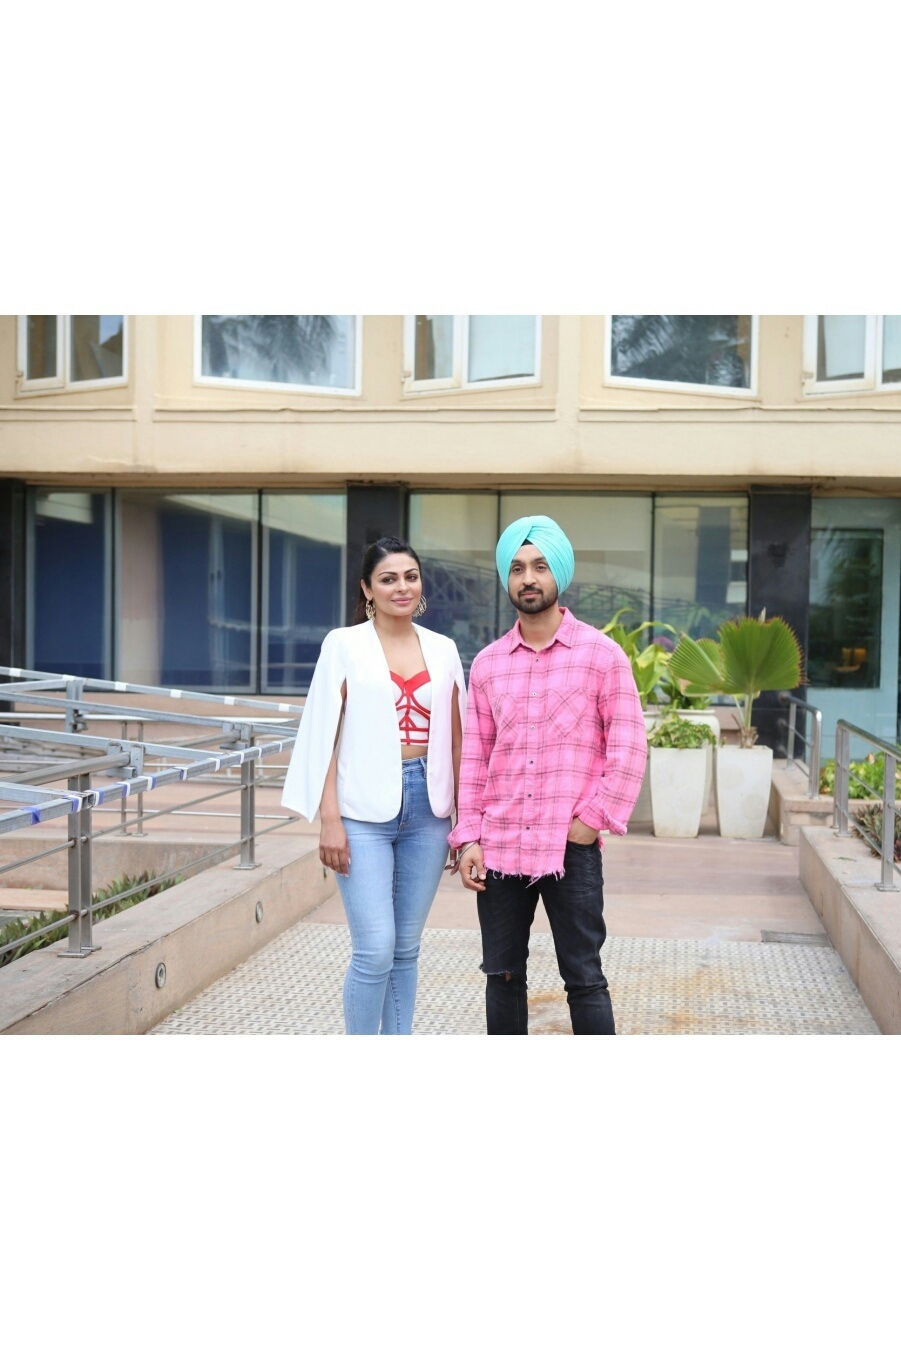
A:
x: 334, y: 851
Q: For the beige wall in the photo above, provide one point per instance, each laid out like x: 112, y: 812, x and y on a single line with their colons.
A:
x: 570, y: 429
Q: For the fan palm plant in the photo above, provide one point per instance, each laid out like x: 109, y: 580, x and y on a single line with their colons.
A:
x: 752, y: 655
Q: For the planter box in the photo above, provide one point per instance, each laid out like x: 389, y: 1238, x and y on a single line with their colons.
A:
x: 677, y: 781
x: 641, y: 813
x: 743, y: 790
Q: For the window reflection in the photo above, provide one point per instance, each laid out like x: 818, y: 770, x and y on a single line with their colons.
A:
x: 187, y: 589
x: 700, y: 562
x: 70, y: 552
x: 303, y: 583
x: 455, y: 534
x: 845, y: 608
x: 96, y: 351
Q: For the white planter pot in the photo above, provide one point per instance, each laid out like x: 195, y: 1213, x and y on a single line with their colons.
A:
x: 677, y: 790
x: 641, y: 811
x: 743, y: 790
x: 707, y: 719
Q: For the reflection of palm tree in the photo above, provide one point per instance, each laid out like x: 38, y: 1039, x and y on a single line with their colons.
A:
x: 690, y: 348
x: 284, y: 348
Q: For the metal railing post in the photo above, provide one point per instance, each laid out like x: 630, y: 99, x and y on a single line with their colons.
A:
x: 816, y: 740
x: 81, y: 903
x: 888, y: 826
x: 790, y: 747
x: 74, y: 719
x: 248, y: 806
x: 842, y: 760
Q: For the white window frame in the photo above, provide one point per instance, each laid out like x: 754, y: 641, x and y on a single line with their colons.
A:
x: 61, y: 379
x: 223, y: 382
x: 870, y: 382
x: 457, y: 382
x: 713, y: 390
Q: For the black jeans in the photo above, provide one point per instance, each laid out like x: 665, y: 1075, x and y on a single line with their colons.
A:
x: 575, y: 909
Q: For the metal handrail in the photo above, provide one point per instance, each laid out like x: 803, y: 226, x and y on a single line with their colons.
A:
x: 242, y: 741
x: 842, y: 817
x: 813, y: 745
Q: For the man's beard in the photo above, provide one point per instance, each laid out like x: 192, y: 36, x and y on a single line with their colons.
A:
x: 534, y: 604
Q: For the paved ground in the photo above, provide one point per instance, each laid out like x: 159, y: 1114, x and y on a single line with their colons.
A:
x: 705, y: 936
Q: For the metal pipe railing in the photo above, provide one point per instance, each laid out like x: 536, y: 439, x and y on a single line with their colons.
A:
x: 842, y: 817
x: 814, y: 744
x: 242, y: 742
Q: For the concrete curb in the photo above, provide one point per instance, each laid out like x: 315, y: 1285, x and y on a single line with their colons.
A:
x: 199, y: 930
x: 863, y: 923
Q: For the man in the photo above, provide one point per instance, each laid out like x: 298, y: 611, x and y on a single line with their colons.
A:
x: 554, y: 751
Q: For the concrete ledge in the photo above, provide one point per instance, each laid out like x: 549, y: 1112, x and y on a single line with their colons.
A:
x: 864, y: 924
x: 200, y: 929
x: 790, y: 807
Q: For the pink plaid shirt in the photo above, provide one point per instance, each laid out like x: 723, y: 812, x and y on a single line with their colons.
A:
x: 549, y: 735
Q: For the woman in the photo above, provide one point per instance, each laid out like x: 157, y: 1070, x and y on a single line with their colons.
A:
x: 378, y: 755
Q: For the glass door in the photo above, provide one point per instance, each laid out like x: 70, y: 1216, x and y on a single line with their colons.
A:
x: 855, y: 598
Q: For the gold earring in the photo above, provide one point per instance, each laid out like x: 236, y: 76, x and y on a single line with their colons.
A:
x: 420, y: 608
x: 370, y: 609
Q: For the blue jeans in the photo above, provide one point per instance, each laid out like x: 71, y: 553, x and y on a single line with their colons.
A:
x: 395, y: 868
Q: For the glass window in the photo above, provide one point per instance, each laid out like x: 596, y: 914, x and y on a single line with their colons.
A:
x: 891, y: 348
x: 68, y: 596
x: 41, y: 355
x: 611, y: 537
x: 95, y: 347
x: 315, y: 351
x: 434, y: 347
x: 700, y: 562
x: 841, y: 347
x: 304, y: 546
x: 696, y: 349
x: 501, y: 347
x: 845, y: 608
x: 187, y: 589
x: 464, y: 351
x: 455, y: 534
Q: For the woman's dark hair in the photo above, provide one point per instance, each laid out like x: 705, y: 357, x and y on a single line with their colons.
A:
x: 371, y: 558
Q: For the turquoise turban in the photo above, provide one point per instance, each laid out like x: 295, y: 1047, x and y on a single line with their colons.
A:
x: 547, y: 537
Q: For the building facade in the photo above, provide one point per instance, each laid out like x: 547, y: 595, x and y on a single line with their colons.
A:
x: 184, y: 499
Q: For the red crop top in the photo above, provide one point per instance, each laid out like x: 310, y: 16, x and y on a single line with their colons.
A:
x: 414, y: 707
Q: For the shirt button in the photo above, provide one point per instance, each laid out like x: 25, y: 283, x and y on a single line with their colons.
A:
x: 528, y: 794
x: 528, y: 827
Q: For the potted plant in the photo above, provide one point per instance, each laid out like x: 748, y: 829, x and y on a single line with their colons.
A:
x: 679, y: 751
x: 752, y: 655
x: 658, y: 691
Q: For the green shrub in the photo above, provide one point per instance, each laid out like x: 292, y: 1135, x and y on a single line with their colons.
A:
x: 869, y: 826
x: 871, y: 770
x: 18, y: 928
x: 679, y: 733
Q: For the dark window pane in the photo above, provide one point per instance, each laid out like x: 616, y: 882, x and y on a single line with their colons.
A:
x: 845, y: 608
x: 41, y: 355
x: 187, y: 589
x: 700, y: 562
x: 69, y: 590
x: 303, y: 596
x: 704, y: 349
x: 96, y: 346
x: 298, y: 349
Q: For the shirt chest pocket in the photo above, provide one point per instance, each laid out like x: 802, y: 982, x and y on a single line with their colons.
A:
x: 566, y: 709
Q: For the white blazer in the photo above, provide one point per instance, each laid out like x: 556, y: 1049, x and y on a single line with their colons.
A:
x: 369, y: 759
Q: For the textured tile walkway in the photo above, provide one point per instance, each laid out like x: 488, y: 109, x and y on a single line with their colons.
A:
x: 659, y: 986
